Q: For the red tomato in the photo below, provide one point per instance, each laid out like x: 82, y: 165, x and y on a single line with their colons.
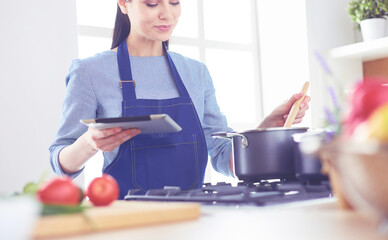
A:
x: 367, y: 96
x: 60, y: 191
x: 103, y: 190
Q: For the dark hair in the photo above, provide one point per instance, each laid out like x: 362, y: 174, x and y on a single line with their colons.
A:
x: 122, y: 28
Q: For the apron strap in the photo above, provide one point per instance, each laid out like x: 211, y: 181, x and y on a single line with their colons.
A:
x: 128, y: 84
x: 178, y: 80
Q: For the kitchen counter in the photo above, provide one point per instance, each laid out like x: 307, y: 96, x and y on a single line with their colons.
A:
x: 316, y: 219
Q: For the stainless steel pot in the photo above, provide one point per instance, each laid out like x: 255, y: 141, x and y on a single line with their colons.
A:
x: 307, y: 161
x: 265, y: 153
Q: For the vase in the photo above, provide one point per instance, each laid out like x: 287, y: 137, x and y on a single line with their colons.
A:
x: 372, y: 28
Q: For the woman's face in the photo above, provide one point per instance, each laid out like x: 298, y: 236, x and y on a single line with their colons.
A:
x: 152, y: 19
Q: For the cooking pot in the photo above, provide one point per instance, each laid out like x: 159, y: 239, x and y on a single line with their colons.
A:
x: 263, y: 153
x: 307, y: 161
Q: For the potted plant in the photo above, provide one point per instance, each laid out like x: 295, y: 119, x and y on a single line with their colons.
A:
x: 369, y: 16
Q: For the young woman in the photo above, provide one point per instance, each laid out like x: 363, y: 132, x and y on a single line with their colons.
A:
x: 139, y: 76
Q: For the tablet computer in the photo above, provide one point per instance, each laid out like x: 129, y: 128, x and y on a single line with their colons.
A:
x: 154, y: 123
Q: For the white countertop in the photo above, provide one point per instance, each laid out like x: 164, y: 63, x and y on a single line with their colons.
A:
x: 315, y: 219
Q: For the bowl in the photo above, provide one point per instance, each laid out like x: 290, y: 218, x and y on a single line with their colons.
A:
x: 18, y: 217
x: 358, y: 175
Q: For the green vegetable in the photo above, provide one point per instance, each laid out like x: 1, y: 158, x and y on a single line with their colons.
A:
x: 30, y: 188
x: 58, y: 209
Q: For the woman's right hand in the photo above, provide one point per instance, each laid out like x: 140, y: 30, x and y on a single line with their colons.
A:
x: 107, y: 140
x: 73, y: 157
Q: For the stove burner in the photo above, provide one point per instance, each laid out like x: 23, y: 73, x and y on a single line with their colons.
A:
x: 260, y: 194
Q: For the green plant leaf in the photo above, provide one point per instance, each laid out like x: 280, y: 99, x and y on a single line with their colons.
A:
x: 359, y: 10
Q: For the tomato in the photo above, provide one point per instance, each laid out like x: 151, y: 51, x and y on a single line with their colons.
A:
x: 367, y: 96
x: 60, y: 191
x: 103, y: 190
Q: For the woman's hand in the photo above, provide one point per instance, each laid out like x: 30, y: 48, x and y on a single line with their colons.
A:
x: 279, y: 115
x: 108, y: 139
x: 73, y: 157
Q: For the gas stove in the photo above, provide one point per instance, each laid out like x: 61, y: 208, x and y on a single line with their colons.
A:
x: 262, y: 193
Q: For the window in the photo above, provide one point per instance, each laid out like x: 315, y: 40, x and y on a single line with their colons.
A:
x: 229, y: 43
x: 95, y: 28
x: 283, y: 51
x: 226, y: 41
x: 224, y: 34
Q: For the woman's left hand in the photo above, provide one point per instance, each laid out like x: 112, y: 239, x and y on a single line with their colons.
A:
x: 279, y: 115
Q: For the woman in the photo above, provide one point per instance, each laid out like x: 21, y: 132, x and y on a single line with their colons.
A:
x: 152, y: 80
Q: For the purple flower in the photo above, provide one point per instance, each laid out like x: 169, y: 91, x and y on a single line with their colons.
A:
x: 334, y: 98
x: 323, y: 63
x: 330, y: 117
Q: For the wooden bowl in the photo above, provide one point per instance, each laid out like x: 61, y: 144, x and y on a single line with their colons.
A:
x: 359, y: 175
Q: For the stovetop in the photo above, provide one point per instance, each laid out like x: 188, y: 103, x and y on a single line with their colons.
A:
x: 262, y: 193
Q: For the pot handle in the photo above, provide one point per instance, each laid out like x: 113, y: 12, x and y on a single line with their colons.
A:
x: 220, y: 135
x: 230, y: 135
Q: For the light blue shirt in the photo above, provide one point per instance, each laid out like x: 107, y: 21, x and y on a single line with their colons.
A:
x: 93, y: 91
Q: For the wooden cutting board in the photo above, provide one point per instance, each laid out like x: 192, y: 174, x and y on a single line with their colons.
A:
x: 120, y: 214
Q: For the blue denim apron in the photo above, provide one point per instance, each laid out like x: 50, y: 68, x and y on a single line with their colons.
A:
x: 152, y: 161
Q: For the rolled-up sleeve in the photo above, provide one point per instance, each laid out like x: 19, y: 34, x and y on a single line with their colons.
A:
x: 80, y: 103
x: 215, y: 121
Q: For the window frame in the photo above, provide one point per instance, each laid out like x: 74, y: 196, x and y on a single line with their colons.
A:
x: 202, y: 44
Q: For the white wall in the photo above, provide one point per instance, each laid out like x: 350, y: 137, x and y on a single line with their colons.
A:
x: 37, y: 43
x: 288, y: 41
x: 328, y: 26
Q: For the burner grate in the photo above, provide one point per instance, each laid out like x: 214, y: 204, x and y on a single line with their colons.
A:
x: 261, y: 193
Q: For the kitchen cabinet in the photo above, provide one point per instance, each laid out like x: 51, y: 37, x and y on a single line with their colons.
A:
x: 315, y: 219
x: 351, y: 63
